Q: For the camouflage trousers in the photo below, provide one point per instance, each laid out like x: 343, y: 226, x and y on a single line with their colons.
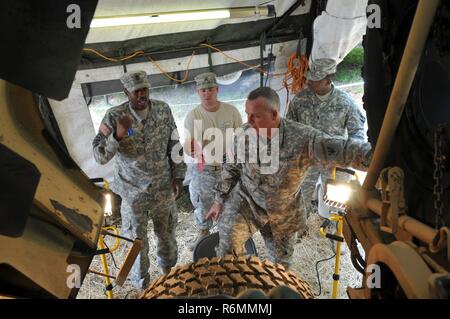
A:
x: 136, y: 211
x: 201, y: 189
x: 237, y: 226
x: 308, y: 188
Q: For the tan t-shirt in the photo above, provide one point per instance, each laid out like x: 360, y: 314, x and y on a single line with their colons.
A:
x: 199, y: 124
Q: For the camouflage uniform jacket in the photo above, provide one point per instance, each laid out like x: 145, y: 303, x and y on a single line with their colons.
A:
x: 143, y: 160
x: 338, y: 116
x: 274, y: 197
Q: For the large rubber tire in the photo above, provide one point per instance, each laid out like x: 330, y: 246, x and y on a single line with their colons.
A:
x: 227, y: 276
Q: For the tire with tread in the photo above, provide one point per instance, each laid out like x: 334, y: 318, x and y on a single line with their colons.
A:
x: 229, y: 276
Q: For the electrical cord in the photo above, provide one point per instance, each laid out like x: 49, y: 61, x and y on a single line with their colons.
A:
x: 255, y: 67
x: 139, y: 53
x: 131, y: 56
x: 317, y: 272
x: 112, y: 256
x: 297, y: 67
x: 186, y: 72
x: 294, y: 77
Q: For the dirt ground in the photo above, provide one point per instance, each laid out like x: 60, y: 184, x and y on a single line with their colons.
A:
x: 311, y: 249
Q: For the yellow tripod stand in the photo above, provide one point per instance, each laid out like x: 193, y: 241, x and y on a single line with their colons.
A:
x: 339, y: 238
x: 102, y: 246
x: 111, y: 230
x: 335, y: 197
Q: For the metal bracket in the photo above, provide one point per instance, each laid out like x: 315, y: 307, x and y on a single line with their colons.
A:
x: 211, y: 69
x: 262, y: 48
x: 393, y: 199
x: 441, y: 241
x: 302, y: 44
x: 124, y: 63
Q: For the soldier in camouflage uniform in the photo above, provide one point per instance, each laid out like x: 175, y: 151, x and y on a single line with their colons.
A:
x: 139, y: 134
x: 271, y: 200
x: 329, y: 110
x: 210, y: 114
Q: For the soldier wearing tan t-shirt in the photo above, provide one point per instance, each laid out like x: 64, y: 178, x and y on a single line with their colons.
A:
x: 209, y: 128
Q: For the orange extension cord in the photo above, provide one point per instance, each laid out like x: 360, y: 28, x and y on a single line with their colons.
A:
x: 293, y: 80
x: 297, y: 67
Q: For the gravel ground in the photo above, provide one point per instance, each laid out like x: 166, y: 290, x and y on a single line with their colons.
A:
x: 311, y: 249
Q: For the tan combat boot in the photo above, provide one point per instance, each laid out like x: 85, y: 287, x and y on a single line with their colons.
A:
x: 201, y: 233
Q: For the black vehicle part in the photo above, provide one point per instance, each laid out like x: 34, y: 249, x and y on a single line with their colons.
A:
x: 389, y: 286
x: 427, y: 106
x: 19, y: 179
x: 42, y: 29
x: 52, y: 133
x: 206, y: 247
x: 355, y: 256
x: 225, y: 276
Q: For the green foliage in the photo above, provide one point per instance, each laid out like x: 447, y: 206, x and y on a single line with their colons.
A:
x: 349, y: 70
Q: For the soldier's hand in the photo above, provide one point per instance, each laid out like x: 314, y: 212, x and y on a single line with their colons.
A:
x: 124, y: 122
x: 104, y: 129
x: 192, y: 149
x: 177, y: 187
x: 214, y: 211
x: 196, y: 149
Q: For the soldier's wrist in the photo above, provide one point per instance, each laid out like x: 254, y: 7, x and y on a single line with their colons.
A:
x: 218, y: 199
x: 112, y: 143
x: 177, y: 180
x: 120, y: 135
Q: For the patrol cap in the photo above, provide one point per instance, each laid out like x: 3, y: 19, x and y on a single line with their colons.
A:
x: 206, y: 80
x: 135, y: 80
x: 320, y: 68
